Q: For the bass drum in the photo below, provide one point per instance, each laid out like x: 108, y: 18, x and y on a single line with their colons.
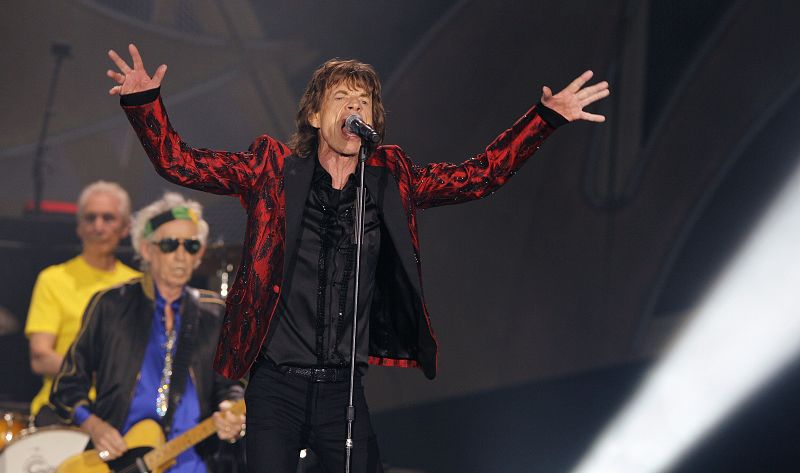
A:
x: 42, y: 450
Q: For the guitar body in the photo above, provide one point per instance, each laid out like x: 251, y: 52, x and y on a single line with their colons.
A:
x: 143, y: 437
x: 148, y: 450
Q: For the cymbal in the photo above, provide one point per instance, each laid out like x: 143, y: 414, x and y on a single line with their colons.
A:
x: 219, y: 257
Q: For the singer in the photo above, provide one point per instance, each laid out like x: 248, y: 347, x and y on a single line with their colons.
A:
x: 289, y: 314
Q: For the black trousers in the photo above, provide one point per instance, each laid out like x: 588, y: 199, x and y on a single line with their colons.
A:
x: 286, y: 413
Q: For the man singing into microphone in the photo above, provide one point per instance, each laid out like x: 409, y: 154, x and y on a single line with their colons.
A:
x: 289, y: 313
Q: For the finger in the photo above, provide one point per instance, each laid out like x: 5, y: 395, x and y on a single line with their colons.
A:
x: 224, y: 405
x: 118, y: 451
x: 100, y: 445
x: 602, y: 85
x: 159, y: 75
x: 116, y: 90
x: 546, y: 92
x: 111, y: 449
x: 576, y: 84
x: 117, y: 442
x: 592, y: 117
x: 111, y: 455
x: 107, y: 445
x: 121, y: 64
x: 595, y: 97
x: 592, y: 89
x: 224, y: 429
x: 137, y: 58
x: 219, y: 422
x: 116, y: 76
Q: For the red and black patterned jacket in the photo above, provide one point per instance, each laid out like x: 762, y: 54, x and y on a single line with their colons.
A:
x: 272, y: 184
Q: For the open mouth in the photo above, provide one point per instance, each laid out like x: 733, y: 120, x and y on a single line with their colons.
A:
x: 346, y: 131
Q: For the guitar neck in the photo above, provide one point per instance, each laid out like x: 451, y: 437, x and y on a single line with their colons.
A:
x: 179, y: 444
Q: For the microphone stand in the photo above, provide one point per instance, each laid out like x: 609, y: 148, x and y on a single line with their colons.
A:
x: 60, y: 51
x: 359, y: 236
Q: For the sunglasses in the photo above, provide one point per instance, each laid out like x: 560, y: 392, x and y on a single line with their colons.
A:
x: 168, y: 245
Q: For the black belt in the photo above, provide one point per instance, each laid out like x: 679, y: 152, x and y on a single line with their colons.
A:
x: 317, y: 375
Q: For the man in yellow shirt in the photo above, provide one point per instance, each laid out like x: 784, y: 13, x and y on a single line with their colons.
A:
x: 62, y: 291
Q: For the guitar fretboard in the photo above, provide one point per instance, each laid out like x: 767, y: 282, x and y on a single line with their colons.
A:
x: 176, y: 446
x: 186, y: 440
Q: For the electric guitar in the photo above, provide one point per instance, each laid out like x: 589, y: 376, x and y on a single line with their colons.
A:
x: 148, y: 450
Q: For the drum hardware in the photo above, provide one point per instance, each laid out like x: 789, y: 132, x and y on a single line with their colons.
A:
x: 11, y: 426
x: 218, y: 266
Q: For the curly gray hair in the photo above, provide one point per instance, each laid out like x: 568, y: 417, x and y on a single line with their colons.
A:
x: 169, y: 201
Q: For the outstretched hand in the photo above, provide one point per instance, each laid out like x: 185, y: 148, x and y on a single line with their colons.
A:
x: 571, y: 101
x: 133, y: 80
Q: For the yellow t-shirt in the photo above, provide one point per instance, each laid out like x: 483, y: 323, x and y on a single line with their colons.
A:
x: 60, y: 296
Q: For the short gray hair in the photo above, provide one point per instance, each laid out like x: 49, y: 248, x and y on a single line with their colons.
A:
x: 169, y: 201
x: 109, y: 188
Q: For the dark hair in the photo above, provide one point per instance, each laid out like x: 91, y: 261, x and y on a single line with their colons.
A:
x: 353, y: 73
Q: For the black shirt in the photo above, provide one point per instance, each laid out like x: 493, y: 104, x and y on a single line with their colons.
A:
x: 314, y: 317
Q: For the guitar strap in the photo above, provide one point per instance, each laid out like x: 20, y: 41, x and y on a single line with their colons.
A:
x: 183, y: 358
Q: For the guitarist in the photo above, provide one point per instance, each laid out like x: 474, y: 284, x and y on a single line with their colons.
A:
x: 149, y: 345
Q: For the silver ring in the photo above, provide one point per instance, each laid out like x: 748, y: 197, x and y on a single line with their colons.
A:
x: 103, y: 454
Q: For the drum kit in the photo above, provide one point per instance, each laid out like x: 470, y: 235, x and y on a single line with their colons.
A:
x: 28, y: 449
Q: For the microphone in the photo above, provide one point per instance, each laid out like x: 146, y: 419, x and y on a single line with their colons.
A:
x: 356, y: 125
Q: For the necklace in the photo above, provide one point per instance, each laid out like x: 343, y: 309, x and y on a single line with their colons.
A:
x: 162, y: 399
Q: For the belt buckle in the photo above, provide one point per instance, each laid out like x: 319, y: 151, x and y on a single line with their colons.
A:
x: 320, y: 375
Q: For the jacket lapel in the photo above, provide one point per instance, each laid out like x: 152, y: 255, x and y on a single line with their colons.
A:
x: 183, y: 354
x: 297, y: 176
x: 142, y: 321
x: 384, y: 190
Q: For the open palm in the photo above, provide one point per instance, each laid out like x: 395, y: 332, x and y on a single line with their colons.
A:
x: 136, y: 79
x: 571, y: 101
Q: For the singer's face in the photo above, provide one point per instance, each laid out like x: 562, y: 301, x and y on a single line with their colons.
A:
x: 341, y: 101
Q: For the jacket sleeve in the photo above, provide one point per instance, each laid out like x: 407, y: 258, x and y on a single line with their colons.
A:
x: 218, y: 172
x: 71, y: 385
x: 226, y: 389
x: 445, y: 183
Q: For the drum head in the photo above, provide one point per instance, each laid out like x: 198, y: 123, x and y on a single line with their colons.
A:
x: 42, y: 450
